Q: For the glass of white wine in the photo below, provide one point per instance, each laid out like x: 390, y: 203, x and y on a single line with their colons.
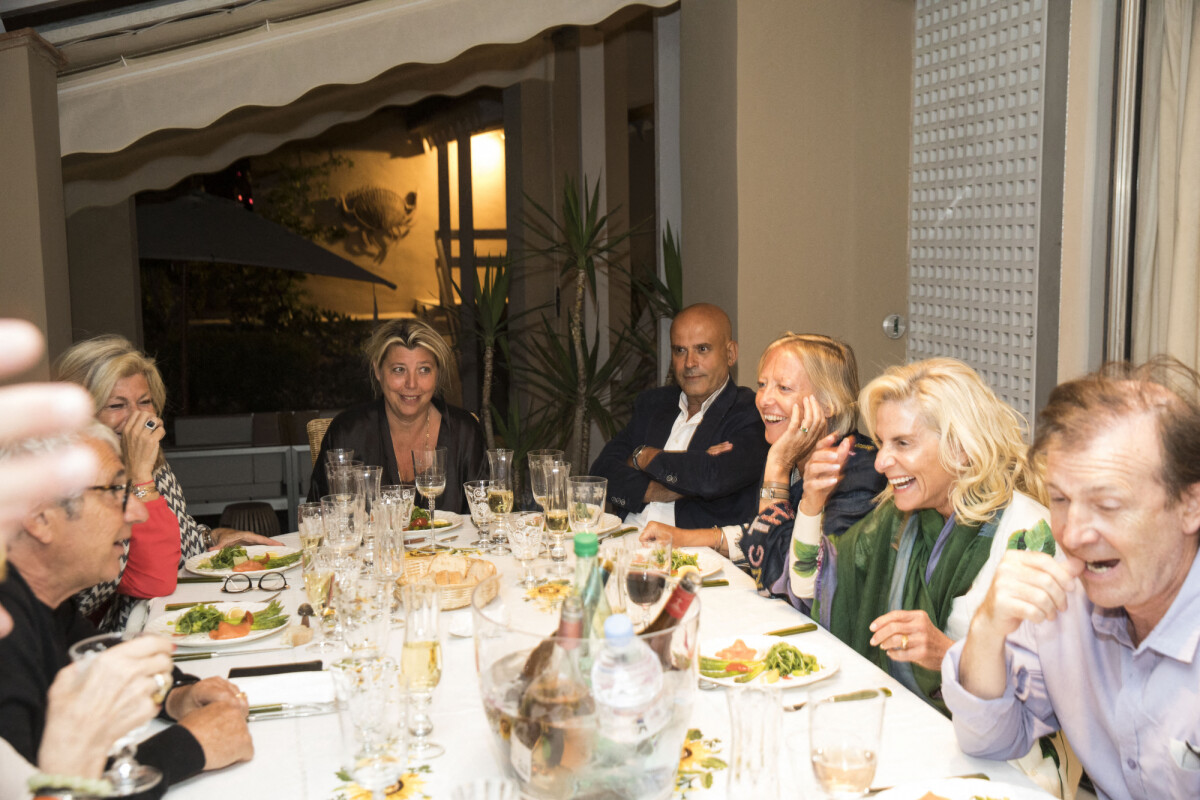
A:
x: 558, y: 522
x: 318, y: 582
x: 844, y: 742
x: 421, y: 663
x: 312, y: 528
x: 429, y: 469
x: 500, y: 492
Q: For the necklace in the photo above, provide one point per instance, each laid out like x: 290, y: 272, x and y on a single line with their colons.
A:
x: 427, y: 425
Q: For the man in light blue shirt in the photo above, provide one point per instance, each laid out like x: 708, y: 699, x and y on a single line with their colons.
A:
x: 1104, y: 645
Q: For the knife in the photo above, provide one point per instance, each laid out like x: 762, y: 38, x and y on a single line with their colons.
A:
x: 837, y: 698
x: 812, y: 626
x: 289, y: 710
x: 199, y: 656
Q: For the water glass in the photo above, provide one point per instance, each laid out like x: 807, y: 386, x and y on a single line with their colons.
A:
x: 390, y: 560
x: 585, y: 502
x: 525, y: 539
x: 343, y: 528
x: 844, y: 735
x: 371, y: 693
x: 756, y: 716
x: 481, y: 512
x: 337, y: 457
x: 366, y: 614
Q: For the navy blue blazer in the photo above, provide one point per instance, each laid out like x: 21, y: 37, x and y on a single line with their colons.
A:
x: 721, y: 489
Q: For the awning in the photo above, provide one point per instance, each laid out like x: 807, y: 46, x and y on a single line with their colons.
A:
x: 107, y: 109
x: 201, y: 227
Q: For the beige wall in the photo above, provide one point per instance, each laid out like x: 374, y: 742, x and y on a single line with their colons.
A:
x: 823, y: 140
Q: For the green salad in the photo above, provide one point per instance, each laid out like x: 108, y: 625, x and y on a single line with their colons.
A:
x: 206, y: 617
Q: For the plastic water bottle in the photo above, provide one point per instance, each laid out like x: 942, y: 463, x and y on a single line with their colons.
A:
x: 627, y: 684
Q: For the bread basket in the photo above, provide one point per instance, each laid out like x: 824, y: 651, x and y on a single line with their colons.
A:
x: 450, y: 595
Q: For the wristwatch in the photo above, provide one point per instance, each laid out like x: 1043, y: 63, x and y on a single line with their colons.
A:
x: 637, y: 452
x: 771, y: 493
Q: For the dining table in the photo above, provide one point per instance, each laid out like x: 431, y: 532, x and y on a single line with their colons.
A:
x: 299, y: 758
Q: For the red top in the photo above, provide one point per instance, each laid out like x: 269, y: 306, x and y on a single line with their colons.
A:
x: 154, y: 550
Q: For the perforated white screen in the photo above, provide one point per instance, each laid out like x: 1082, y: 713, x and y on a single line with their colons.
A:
x: 976, y: 174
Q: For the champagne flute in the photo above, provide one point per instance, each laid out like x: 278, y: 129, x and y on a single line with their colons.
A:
x: 126, y: 775
x: 389, y: 565
x: 318, y: 584
x: 429, y: 467
x: 312, y: 527
x: 481, y: 512
x: 500, y: 494
x: 555, y: 475
x: 537, y: 480
x: 367, y: 481
x: 421, y: 662
x: 844, y: 742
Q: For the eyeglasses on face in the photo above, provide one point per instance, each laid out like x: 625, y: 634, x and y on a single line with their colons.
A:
x: 241, y: 582
x: 115, y: 490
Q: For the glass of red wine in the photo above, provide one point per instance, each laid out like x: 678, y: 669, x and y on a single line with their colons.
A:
x: 649, y: 571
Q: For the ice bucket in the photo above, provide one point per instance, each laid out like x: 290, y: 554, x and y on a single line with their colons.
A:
x: 568, y: 755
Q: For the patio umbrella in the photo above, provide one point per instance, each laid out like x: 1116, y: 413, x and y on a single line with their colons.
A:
x: 203, y: 227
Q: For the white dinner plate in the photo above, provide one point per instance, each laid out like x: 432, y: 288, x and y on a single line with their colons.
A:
x: 253, y: 550
x: 710, y: 563
x: 162, y: 626
x: 762, y: 643
x: 962, y: 789
x: 608, y: 524
x: 455, y: 520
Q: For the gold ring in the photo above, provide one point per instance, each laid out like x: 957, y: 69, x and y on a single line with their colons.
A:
x: 804, y: 430
x: 904, y: 641
x: 242, y: 695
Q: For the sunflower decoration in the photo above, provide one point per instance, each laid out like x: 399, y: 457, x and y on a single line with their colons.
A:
x: 697, y: 763
x: 550, y: 595
x: 410, y: 786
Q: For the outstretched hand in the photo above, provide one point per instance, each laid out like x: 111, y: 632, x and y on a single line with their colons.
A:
x: 823, y: 472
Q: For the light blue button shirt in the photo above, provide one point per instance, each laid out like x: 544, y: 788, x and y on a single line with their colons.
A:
x: 1132, y: 714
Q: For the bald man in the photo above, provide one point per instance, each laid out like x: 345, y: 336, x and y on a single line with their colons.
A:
x: 691, y: 456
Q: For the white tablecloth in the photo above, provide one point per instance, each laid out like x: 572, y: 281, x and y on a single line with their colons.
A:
x: 299, y: 758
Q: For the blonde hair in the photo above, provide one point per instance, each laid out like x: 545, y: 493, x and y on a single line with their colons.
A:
x: 410, y: 333
x: 832, y: 371
x: 980, y: 436
x: 97, y: 364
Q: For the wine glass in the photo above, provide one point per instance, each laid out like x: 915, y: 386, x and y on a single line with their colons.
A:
x: 429, y: 467
x: 648, y: 572
x: 337, y: 457
x: 366, y: 614
x: 126, y: 775
x: 318, y: 583
x: 525, y: 538
x: 389, y: 565
x: 367, y: 481
x: 585, y: 502
x: 481, y: 512
x: 421, y: 663
x: 844, y: 742
x: 558, y: 522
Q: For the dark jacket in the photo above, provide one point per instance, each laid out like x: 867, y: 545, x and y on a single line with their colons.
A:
x: 721, y: 489
x: 364, y: 429
x: 33, y: 654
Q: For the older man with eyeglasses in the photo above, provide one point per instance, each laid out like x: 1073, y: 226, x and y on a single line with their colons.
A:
x: 61, y: 548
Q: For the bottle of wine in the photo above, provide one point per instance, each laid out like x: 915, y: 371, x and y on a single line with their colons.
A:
x: 589, y: 585
x: 556, y: 697
x: 674, y: 610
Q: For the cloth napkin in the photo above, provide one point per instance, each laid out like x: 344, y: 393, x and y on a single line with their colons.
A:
x: 294, y: 687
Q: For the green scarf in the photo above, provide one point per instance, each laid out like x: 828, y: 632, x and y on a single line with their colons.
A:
x: 865, y: 562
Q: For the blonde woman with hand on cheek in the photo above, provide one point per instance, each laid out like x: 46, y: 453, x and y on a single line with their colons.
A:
x: 806, y: 396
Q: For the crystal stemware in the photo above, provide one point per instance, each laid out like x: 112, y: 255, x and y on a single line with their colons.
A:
x: 429, y: 468
x: 421, y: 663
x: 481, y: 512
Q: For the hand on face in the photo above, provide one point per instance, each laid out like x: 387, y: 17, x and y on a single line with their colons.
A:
x: 910, y: 636
x: 805, y: 430
x: 141, y: 444
x: 1027, y: 587
x: 823, y: 472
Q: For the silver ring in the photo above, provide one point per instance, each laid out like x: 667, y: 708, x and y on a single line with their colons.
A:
x: 151, y: 424
x: 162, y: 684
